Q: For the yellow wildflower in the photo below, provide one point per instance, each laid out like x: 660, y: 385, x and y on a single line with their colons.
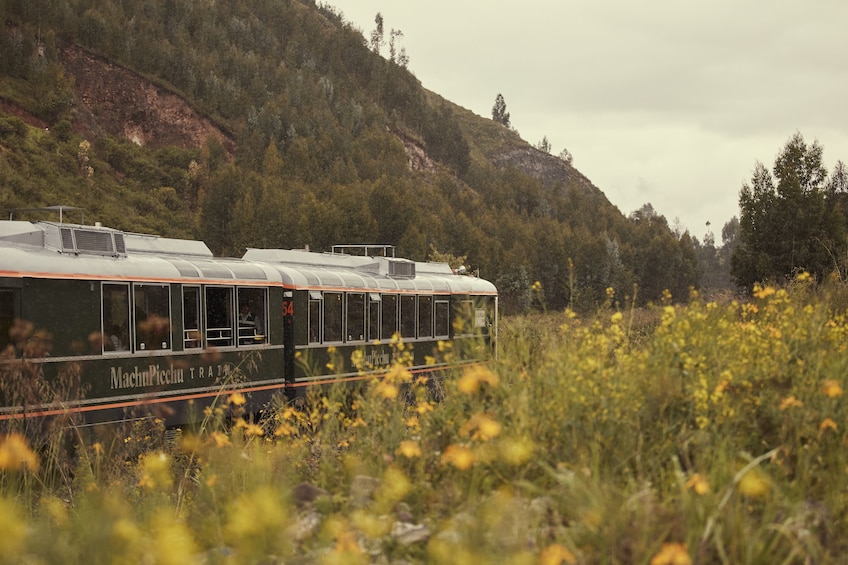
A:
x: 672, y: 554
x: 516, y: 451
x: 346, y: 544
x: 15, y: 453
x: 398, y: 373
x: 460, y: 457
x: 472, y: 379
x: 556, y: 554
x: 393, y: 487
x: 155, y: 470
x: 284, y: 429
x: 754, y: 484
x: 250, y: 429
x: 424, y: 407
x: 832, y: 388
x: 412, y: 422
x: 481, y: 428
x: 409, y: 449
x: 236, y: 399
x: 698, y: 484
x: 220, y: 439
x: 763, y: 292
x: 828, y: 424
x: 387, y: 390
x: 790, y: 402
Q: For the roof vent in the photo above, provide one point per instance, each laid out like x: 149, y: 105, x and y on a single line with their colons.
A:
x: 401, y: 269
x: 90, y: 241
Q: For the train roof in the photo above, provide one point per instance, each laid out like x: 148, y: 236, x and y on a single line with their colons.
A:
x: 49, y: 249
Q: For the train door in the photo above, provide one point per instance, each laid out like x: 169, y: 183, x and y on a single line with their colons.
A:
x: 374, y: 300
x: 10, y: 310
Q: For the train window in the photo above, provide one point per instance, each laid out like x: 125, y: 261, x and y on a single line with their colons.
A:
x: 332, y: 316
x: 252, y: 315
x: 315, y: 300
x: 9, y: 304
x: 116, y: 317
x: 388, y: 322
x: 407, y: 317
x: 425, y: 316
x: 373, y: 316
x: 355, y: 320
x: 152, y: 303
x: 191, y: 318
x: 442, y: 317
x: 481, y: 317
x: 219, y: 316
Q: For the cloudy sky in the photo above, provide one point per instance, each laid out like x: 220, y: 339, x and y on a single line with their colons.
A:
x: 670, y: 102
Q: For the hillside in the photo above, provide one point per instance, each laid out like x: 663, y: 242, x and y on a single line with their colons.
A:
x: 273, y: 124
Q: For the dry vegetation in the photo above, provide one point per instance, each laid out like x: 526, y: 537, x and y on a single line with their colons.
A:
x: 708, y: 433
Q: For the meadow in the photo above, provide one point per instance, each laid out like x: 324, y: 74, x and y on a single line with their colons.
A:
x: 711, y: 432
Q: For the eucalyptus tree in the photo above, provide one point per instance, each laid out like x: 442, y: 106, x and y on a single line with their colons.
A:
x: 788, y: 220
x: 499, y: 113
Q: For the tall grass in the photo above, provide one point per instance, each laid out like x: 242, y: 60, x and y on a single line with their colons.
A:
x: 708, y: 433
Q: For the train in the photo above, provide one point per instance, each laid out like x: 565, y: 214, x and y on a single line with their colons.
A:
x: 108, y: 326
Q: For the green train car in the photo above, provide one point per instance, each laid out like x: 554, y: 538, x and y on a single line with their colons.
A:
x: 109, y: 326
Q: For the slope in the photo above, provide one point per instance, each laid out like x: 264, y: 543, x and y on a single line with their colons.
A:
x: 272, y: 124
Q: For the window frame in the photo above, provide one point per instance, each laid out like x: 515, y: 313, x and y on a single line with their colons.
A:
x: 224, y: 332
x: 124, y: 338
x: 193, y: 336
x: 145, y: 290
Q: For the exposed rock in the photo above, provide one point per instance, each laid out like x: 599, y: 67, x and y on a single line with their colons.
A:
x: 116, y: 101
x: 416, y: 155
x: 406, y: 533
x: 362, y: 489
x: 306, y: 526
x: 546, y: 168
x: 403, y: 512
x: 304, y: 494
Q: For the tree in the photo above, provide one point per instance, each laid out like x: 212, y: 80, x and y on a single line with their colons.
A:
x: 397, y: 54
x: 377, y: 35
x: 566, y: 156
x: 544, y: 144
x: 499, y: 113
x: 788, y: 220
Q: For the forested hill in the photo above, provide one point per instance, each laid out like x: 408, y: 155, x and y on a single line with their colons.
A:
x: 275, y: 123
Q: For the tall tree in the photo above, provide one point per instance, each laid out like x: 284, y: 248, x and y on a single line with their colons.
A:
x: 499, y: 113
x: 788, y: 223
x: 377, y: 34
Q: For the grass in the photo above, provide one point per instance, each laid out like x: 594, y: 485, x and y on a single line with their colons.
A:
x: 707, y: 433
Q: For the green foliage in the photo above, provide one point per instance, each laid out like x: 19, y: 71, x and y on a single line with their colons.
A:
x: 324, y: 131
x: 499, y: 113
x: 791, y: 220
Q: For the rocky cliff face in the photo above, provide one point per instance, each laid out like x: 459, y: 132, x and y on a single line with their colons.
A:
x: 549, y: 170
x: 115, y: 101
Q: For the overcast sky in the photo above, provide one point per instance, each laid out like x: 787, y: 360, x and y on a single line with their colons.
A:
x: 670, y: 102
